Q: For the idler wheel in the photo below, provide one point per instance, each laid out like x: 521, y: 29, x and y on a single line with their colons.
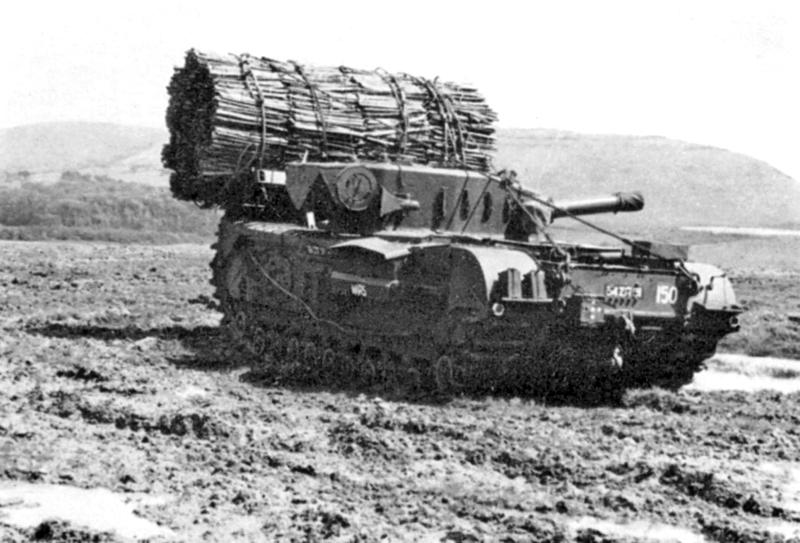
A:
x: 349, y: 368
x: 310, y: 361
x: 414, y: 379
x: 366, y: 366
x: 388, y: 370
x: 505, y: 372
x: 446, y: 375
x: 310, y: 354
x: 292, y: 349
x: 259, y: 343
x: 274, y: 343
x: 409, y: 374
x: 238, y: 325
x: 328, y: 361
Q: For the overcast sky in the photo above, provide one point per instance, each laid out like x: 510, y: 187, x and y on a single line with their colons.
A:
x: 719, y: 73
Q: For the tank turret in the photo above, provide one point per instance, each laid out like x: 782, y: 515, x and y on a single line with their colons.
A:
x: 365, y: 197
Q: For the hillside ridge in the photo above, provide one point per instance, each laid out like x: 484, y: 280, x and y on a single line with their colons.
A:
x: 58, y: 146
x: 685, y: 184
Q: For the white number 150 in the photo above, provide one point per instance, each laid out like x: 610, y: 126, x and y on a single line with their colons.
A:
x: 666, y: 294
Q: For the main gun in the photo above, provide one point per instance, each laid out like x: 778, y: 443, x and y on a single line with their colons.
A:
x: 542, y: 211
x: 616, y: 203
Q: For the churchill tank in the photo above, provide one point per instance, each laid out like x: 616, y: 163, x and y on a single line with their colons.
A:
x: 367, y: 241
x: 405, y: 275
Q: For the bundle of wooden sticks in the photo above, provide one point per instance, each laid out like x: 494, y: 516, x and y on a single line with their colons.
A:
x: 229, y: 114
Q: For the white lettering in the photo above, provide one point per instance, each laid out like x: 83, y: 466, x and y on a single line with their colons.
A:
x: 666, y: 294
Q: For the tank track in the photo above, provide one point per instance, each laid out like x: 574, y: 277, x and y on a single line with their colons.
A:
x: 308, y: 354
x: 304, y: 352
x: 296, y: 349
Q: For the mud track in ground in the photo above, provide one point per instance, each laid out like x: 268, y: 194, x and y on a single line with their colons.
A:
x: 115, y: 375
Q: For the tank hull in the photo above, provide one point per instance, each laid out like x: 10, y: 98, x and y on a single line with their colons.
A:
x: 461, y: 314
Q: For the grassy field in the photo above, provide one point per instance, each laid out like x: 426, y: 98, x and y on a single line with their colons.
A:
x: 766, y: 276
x: 113, y: 235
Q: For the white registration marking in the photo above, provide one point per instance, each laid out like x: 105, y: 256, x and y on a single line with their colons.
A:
x: 625, y: 292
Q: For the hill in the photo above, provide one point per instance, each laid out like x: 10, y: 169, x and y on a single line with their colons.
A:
x: 684, y: 184
x: 130, y: 153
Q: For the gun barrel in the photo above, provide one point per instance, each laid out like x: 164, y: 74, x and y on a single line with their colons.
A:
x: 621, y: 201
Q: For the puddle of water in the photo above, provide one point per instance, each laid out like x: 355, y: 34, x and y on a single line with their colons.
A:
x: 784, y: 528
x: 743, y: 230
x: 792, y: 491
x: 711, y: 380
x: 787, y: 477
x: 747, y: 373
x: 638, y: 529
x: 189, y: 391
x: 27, y: 505
x: 755, y: 364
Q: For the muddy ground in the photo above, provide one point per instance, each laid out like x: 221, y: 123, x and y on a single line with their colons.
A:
x: 115, y: 376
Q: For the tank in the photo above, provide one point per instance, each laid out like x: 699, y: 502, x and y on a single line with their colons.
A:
x: 367, y: 242
x: 404, y: 275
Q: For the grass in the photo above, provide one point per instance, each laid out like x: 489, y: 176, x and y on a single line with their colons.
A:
x: 113, y: 235
x: 764, y: 333
x: 766, y: 279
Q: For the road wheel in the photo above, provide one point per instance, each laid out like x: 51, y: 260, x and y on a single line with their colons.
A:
x: 274, y: 344
x: 327, y: 363
x: 447, y: 376
x: 388, y: 371
x: 238, y: 325
x: 310, y: 361
x: 240, y: 321
x: 292, y: 350
x: 310, y: 354
x: 366, y: 366
x: 258, y: 342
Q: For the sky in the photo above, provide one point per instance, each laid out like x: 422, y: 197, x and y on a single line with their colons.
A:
x: 721, y: 73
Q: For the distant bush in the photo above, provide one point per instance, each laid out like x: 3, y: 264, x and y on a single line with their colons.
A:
x: 114, y: 235
x: 81, y: 206
x: 21, y: 175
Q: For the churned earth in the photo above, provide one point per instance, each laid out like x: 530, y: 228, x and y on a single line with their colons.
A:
x: 125, y: 415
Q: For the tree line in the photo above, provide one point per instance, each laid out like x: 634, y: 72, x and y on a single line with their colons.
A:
x: 98, y: 202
